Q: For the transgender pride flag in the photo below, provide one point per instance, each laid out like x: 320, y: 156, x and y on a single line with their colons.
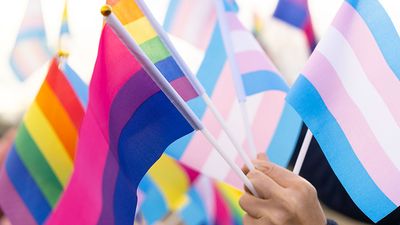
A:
x: 348, y: 95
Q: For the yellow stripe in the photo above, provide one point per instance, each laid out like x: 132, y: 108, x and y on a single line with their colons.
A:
x: 172, y: 181
x: 141, y: 30
x: 48, y: 143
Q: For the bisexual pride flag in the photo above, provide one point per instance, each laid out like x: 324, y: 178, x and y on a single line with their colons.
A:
x: 128, y: 124
x: 348, y: 96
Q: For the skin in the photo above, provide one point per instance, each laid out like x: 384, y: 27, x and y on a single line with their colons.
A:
x: 285, y: 198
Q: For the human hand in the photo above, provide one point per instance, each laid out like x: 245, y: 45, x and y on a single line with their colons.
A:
x: 285, y: 198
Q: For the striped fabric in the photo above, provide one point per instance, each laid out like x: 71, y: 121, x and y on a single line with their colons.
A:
x: 191, y: 20
x: 297, y: 14
x: 128, y: 124
x: 64, y: 34
x: 40, y: 162
x: 136, y: 23
x: 30, y: 51
x: 348, y: 97
x: 274, y: 123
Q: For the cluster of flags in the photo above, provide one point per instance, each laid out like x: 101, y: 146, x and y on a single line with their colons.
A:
x: 85, y: 155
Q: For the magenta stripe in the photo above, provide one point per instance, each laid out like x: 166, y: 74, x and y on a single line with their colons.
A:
x: 353, y: 28
x: 252, y: 61
x: 349, y: 117
x: 12, y: 204
x: 184, y: 88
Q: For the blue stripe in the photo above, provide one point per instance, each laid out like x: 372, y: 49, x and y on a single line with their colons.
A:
x: 169, y: 69
x: 208, y: 75
x: 260, y: 81
x: 154, y: 208
x: 284, y: 141
x: 150, y: 130
x: 64, y: 28
x: 292, y: 13
x: 80, y: 88
x: 26, y: 187
x: 170, y: 15
x: 355, y: 179
x: 383, y: 30
x: 38, y: 33
x: 193, y: 212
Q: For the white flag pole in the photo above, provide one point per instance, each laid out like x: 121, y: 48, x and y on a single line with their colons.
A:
x: 303, y: 152
x: 236, y: 75
x: 169, y: 91
x: 195, y: 82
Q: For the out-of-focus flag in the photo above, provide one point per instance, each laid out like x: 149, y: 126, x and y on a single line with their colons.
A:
x: 40, y: 162
x: 275, y: 124
x: 348, y: 97
x: 31, y: 50
x: 297, y: 14
x: 191, y: 20
x: 64, y: 34
x: 128, y: 124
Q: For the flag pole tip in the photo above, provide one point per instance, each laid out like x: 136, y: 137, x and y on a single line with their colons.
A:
x: 63, y: 54
x: 106, y: 10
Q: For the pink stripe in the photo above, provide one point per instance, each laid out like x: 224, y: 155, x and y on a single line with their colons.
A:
x: 369, y: 152
x: 184, y: 88
x: 12, y: 205
x: 356, y: 32
x: 179, y: 22
x: 199, y: 148
x: 86, y: 181
x: 233, y: 22
x: 267, y: 118
x: 251, y: 61
x: 204, y: 40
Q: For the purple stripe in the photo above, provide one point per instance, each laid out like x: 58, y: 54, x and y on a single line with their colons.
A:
x: 351, y: 120
x: 9, y: 197
x: 353, y: 28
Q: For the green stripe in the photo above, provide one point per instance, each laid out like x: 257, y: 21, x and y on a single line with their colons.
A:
x: 155, y: 50
x: 37, y: 166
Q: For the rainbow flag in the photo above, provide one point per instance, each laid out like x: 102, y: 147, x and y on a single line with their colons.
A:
x: 348, y: 97
x: 40, y: 162
x: 275, y: 124
x: 128, y: 124
x: 30, y: 51
x: 297, y: 14
x: 191, y: 20
x: 141, y: 30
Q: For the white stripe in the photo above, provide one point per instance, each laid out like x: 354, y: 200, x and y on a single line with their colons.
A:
x: 351, y: 74
x: 243, y: 40
x: 213, y: 165
x: 393, y: 10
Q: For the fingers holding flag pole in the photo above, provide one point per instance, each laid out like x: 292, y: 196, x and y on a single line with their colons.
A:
x: 196, y: 84
x: 170, y: 92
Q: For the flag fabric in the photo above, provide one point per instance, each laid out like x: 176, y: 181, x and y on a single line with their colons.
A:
x: 297, y: 14
x: 275, y: 124
x: 347, y: 96
x: 30, y: 51
x: 128, y: 124
x: 141, y: 30
x: 40, y: 162
x: 64, y: 34
x: 191, y: 20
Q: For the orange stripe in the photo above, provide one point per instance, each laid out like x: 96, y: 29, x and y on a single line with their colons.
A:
x: 127, y: 11
x: 66, y: 95
x: 58, y: 118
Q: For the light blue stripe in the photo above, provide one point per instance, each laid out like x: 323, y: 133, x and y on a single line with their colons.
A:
x: 64, y: 28
x: 355, y: 179
x: 80, y: 88
x: 260, y: 81
x: 383, y: 30
x: 32, y: 33
x: 208, y: 75
x: 194, y: 213
x: 282, y: 145
x: 170, y: 15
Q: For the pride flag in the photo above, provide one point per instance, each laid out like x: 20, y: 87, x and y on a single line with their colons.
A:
x: 297, y: 14
x: 40, y: 162
x: 275, y: 124
x: 348, y: 97
x: 141, y: 30
x: 30, y: 51
x: 191, y: 20
x: 128, y: 124
x: 64, y: 34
